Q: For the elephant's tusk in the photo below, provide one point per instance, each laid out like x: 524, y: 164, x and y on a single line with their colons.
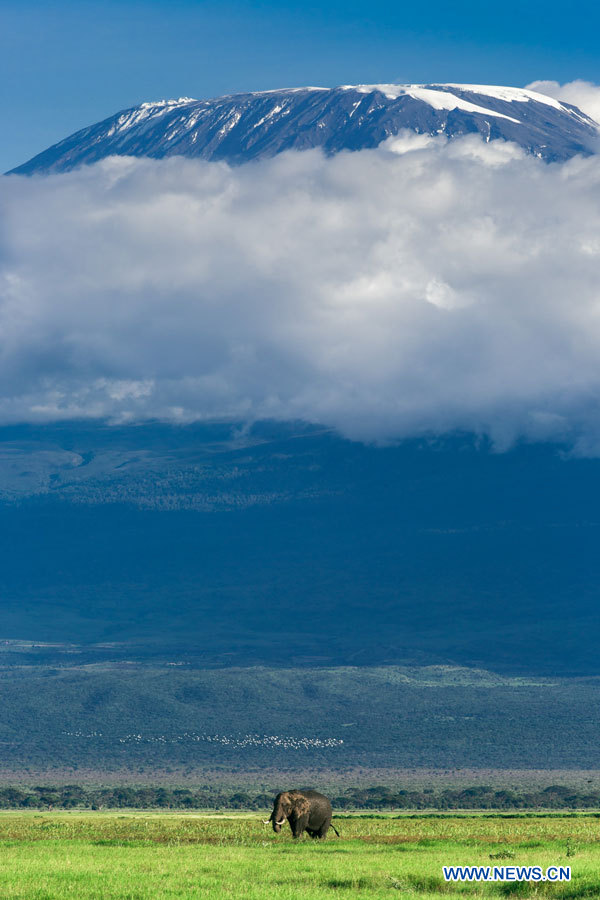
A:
x: 280, y: 823
x: 266, y: 821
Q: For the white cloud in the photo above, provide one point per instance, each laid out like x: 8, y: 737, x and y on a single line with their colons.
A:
x: 578, y: 93
x: 447, y: 285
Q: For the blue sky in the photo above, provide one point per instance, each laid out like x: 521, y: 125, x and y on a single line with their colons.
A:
x: 65, y: 64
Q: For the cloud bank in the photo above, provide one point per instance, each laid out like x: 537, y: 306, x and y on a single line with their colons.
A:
x: 422, y: 287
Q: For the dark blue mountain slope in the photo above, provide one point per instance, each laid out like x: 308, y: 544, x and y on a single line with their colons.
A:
x: 295, y: 547
x: 244, y: 127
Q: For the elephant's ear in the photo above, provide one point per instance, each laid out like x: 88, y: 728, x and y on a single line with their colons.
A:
x: 301, y: 805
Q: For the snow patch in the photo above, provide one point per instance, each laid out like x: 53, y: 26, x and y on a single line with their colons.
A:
x: 147, y: 110
x: 151, y: 104
x: 438, y: 99
x: 508, y: 94
x: 230, y: 123
x: 269, y: 115
x: 296, y: 90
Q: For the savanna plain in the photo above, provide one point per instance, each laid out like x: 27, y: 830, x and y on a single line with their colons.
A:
x: 138, y: 855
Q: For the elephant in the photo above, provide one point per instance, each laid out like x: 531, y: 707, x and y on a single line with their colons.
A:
x: 305, y: 811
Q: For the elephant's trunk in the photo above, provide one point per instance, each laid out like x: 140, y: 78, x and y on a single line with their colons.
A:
x: 277, y: 818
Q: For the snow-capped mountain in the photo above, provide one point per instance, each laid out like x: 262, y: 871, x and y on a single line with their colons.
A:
x: 243, y: 127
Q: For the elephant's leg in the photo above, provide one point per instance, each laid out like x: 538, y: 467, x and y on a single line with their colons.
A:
x: 299, y: 826
x: 322, y: 832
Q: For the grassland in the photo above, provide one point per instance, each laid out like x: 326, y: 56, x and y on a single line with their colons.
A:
x: 138, y: 856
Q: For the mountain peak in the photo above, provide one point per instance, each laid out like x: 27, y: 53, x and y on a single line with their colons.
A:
x: 238, y: 128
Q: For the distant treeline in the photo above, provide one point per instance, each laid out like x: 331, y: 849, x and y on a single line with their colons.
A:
x: 74, y: 796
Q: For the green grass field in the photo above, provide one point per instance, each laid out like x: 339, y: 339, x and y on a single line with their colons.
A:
x: 136, y: 856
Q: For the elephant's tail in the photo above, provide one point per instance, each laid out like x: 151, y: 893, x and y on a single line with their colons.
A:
x: 335, y: 829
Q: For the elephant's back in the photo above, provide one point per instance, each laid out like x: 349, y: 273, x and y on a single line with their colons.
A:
x: 318, y: 800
